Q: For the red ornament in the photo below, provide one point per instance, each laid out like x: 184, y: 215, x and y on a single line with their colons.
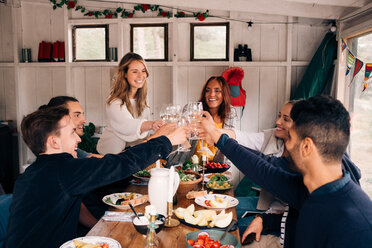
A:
x: 163, y: 13
x: 71, y: 4
x: 108, y: 16
x: 145, y: 7
x: 182, y: 13
x: 90, y: 14
x: 130, y: 15
x: 201, y: 17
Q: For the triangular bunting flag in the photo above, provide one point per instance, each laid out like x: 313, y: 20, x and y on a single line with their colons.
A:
x: 350, y: 61
x: 368, y: 71
x: 357, y: 67
x: 367, y: 75
x: 343, y: 45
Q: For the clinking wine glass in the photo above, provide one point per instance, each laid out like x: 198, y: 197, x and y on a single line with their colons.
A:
x: 183, y: 122
x: 194, y: 110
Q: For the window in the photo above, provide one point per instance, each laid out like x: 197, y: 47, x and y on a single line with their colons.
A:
x: 150, y: 41
x: 90, y: 43
x: 361, y: 112
x: 209, y: 41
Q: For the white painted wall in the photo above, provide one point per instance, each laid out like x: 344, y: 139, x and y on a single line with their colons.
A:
x: 178, y: 81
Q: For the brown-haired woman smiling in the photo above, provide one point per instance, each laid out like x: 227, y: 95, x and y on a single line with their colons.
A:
x: 126, y: 109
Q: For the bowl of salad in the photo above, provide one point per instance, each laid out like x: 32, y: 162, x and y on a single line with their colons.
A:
x: 143, y: 175
x: 188, y: 180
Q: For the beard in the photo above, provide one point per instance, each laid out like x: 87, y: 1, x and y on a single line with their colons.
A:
x: 292, y: 165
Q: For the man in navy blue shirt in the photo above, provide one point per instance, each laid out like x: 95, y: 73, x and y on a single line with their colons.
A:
x: 333, y: 210
x: 47, y: 196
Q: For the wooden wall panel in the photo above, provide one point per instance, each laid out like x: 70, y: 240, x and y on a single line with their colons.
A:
x: 78, y: 85
x: 28, y: 92
x: 306, y: 40
x: 183, y: 49
x: 182, y: 85
x: 269, y: 43
x: 6, y: 38
x: 59, y: 81
x: 268, y: 97
x: 57, y: 25
x: 93, y: 100
x: 162, y: 89
x: 251, y: 85
x: 105, y: 87
x: 196, y: 81
x: 10, y: 94
x: 44, y: 85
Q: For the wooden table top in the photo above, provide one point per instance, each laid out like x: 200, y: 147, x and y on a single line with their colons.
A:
x: 127, y: 236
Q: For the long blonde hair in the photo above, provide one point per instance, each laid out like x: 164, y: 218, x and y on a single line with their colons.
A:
x: 120, y: 89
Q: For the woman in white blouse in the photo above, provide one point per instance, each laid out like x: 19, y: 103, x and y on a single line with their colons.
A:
x: 126, y: 109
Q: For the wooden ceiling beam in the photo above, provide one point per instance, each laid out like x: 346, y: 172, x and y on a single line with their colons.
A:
x: 273, y: 7
x: 342, y: 3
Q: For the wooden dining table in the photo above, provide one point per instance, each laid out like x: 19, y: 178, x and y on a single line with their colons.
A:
x: 175, y: 237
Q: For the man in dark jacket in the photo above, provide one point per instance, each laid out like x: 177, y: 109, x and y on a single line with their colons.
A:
x: 333, y: 211
x: 47, y: 197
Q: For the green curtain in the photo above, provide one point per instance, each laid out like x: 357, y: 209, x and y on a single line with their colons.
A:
x: 318, y: 76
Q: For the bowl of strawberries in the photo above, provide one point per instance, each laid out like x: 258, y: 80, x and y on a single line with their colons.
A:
x: 215, y: 167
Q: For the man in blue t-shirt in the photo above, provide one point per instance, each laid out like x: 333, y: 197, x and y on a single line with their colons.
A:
x: 333, y: 211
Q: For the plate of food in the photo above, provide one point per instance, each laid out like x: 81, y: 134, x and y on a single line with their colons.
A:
x: 211, y: 238
x: 217, y: 177
x: 204, y: 219
x: 143, y: 175
x: 91, y: 242
x: 122, y: 200
x: 216, y: 201
x: 218, y: 185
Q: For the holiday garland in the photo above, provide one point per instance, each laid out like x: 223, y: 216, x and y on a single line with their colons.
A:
x: 123, y: 13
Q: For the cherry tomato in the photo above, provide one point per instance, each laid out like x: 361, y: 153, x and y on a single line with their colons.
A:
x: 191, y: 242
x: 105, y: 245
x: 216, y: 244
x: 199, y: 242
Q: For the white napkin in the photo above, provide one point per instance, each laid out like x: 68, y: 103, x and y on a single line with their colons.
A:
x: 118, y: 216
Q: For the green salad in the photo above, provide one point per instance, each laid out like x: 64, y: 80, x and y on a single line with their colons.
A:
x: 186, y: 177
x: 143, y: 173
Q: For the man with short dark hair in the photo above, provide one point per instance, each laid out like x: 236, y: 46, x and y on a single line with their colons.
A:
x: 333, y: 210
x: 47, y: 196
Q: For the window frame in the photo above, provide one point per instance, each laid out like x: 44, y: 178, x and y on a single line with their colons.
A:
x: 165, y: 25
x: 74, y: 27
x: 193, y: 25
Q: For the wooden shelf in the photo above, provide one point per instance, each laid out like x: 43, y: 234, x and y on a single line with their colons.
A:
x: 6, y: 64
x: 43, y: 64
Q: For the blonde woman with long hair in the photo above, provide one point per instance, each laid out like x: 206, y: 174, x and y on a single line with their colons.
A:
x: 126, y: 109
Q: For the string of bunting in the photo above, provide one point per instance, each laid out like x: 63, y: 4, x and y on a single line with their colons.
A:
x: 123, y: 13
x: 354, y: 64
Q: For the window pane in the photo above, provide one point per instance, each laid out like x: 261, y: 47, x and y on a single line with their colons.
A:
x: 361, y: 112
x: 149, y: 42
x: 90, y: 43
x: 210, y: 42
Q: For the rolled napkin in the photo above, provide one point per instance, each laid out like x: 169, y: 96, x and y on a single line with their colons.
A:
x: 118, y: 216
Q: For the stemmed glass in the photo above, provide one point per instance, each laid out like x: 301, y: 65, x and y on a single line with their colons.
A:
x: 183, y: 122
x: 194, y: 111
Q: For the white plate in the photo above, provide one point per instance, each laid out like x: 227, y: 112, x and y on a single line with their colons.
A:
x: 231, y: 201
x: 206, y: 178
x: 93, y: 240
x: 114, y: 197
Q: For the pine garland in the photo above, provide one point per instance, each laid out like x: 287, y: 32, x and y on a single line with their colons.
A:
x: 123, y: 13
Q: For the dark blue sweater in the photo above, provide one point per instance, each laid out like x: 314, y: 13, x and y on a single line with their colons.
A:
x: 338, y: 219
x: 47, y: 197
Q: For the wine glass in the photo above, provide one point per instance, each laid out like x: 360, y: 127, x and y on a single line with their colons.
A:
x: 164, y: 112
x: 183, y: 122
x: 194, y: 111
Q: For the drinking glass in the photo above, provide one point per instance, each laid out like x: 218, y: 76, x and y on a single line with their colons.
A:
x: 183, y: 122
x: 194, y: 111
